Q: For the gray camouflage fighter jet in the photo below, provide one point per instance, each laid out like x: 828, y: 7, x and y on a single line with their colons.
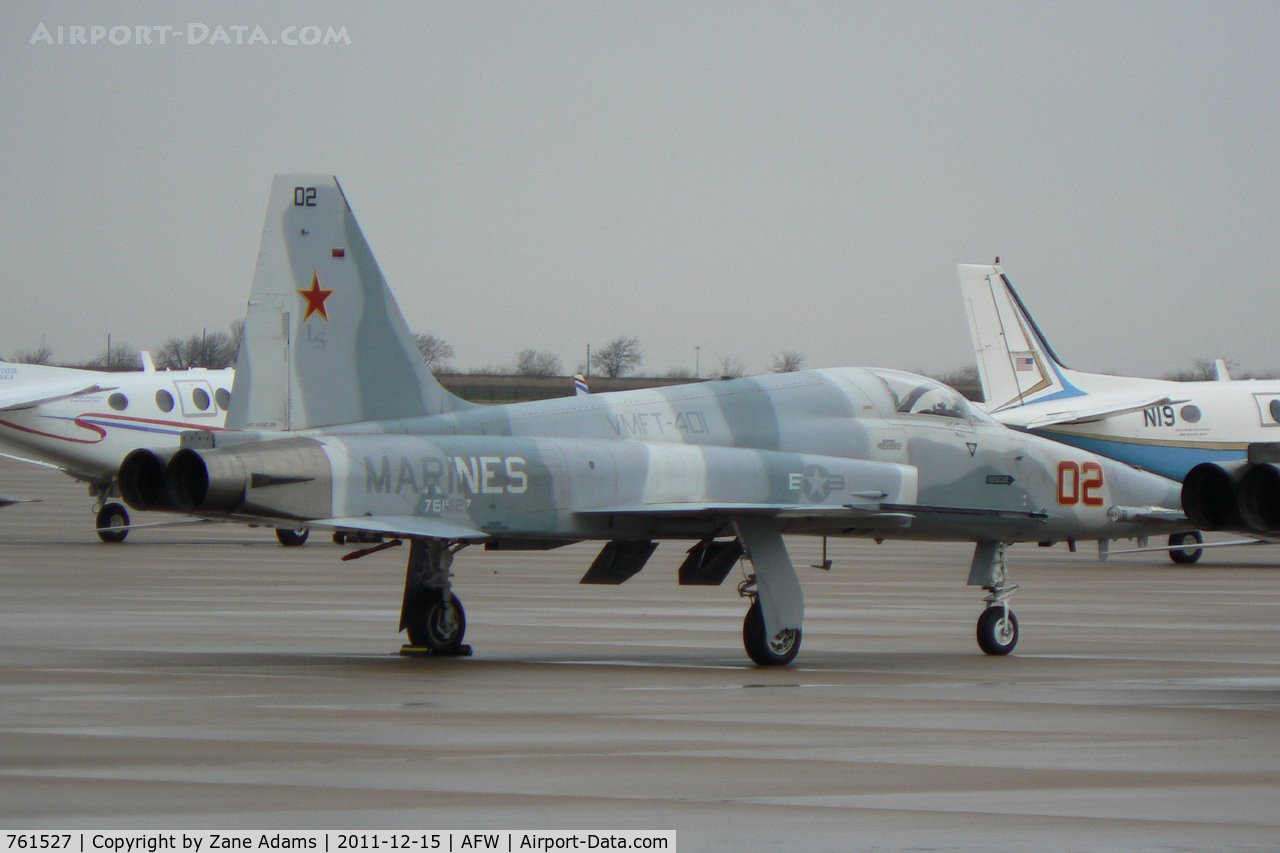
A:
x: 336, y: 423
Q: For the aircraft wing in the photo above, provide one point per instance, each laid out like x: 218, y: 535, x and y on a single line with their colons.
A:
x: 883, y: 515
x: 5, y: 500
x: 30, y: 394
x: 402, y: 525
x: 1079, y: 410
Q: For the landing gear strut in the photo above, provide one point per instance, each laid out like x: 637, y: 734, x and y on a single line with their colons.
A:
x: 771, y: 629
x: 431, y: 614
x: 997, y: 626
x: 113, y: 523
x: 1186, y: 555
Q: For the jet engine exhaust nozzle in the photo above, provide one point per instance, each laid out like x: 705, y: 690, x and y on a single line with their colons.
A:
x: 200, y: 484
x: 142, y: 482
x: 1260, y: 498
x: 1209, y: 496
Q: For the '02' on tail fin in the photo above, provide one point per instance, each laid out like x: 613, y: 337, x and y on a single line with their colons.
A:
x: 324, y: 342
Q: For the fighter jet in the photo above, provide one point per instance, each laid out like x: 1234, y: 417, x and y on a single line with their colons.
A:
x: 84, y: 422
x: 335, y: 422
x: 1220, y: 437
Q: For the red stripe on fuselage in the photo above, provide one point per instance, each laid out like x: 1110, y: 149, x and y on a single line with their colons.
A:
x: 102, y: 433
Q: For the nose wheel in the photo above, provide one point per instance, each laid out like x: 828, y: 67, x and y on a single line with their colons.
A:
x: 997, y: 630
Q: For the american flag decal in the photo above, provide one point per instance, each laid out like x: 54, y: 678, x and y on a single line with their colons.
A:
x: 1023, y: 363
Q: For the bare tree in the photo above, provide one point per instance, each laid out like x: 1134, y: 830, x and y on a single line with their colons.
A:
x: 436, y: 352
x: 732, y: 367
x: 119, y: 357
x: 42, y: 354
x: 618, y: 357
x: 237, y: 335
x: 1201, y: 370
x: 214, y: 350
x: 532, y: 363
x: 787, y: 361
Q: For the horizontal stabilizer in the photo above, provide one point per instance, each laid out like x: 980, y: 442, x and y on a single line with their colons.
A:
x: 408, y: 526
x: 619, y: 561
x: 5, y: 500
x: 1184, y: 546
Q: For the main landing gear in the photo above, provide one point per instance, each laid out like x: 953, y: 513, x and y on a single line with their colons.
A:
x: 1185, y: 555
x: 778, y: 650
x: 430, y: 613
x: 291, y: 538
x: 771, y: 629
x: 997, y: 626
x: 112, y: 523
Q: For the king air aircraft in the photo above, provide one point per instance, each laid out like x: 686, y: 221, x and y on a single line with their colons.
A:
x: 1220, y: 438
x: 335, y: 422
x: 84, y: 422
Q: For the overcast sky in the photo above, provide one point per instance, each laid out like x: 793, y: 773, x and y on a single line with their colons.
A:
x: 744, y: 178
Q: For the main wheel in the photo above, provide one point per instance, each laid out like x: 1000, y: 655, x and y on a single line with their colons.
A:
x: 997, y: 635
x: 439, y: 626
x: 113, y: 523
x: 291, y: 538
x: 1186, y: 555
x: 766, y: 651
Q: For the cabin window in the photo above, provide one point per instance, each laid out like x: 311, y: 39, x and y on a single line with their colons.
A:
x: 223, y: 396
x: 119, y: 402
x: 201, y: 398
x: 1275, y: 410
x: 164, y: 401
x: 1191, y: 414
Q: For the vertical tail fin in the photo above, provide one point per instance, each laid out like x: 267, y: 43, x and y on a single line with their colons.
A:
x: 324, y: 341
x: 1015, y: 362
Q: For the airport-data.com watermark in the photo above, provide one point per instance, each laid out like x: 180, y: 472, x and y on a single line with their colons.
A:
x: 118, y: 35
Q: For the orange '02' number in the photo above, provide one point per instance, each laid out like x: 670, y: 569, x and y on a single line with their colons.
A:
x: 1078, y: 483
x: 1091, y: 479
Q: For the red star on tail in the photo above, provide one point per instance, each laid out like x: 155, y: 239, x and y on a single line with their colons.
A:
x: 315, y: 298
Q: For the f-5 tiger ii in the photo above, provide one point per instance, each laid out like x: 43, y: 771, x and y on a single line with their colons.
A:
x: 335, y: 422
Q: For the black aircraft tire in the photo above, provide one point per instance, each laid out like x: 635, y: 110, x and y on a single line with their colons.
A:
x: 759, y: 649
x: 291, y: 538
x: 109, y: 517
x: 1186, y: 555
x: 439, y: 626
x: 991, y: 639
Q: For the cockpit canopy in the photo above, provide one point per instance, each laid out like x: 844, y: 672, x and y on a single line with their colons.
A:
x: 919, y: 395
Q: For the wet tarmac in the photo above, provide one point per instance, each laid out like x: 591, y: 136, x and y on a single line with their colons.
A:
x: 205, y: 677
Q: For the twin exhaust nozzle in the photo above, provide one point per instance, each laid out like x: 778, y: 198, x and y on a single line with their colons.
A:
x: 177, y: 481
x: 1233, y: 496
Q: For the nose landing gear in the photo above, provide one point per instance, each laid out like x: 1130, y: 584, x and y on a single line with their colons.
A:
x: 997, y: 626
